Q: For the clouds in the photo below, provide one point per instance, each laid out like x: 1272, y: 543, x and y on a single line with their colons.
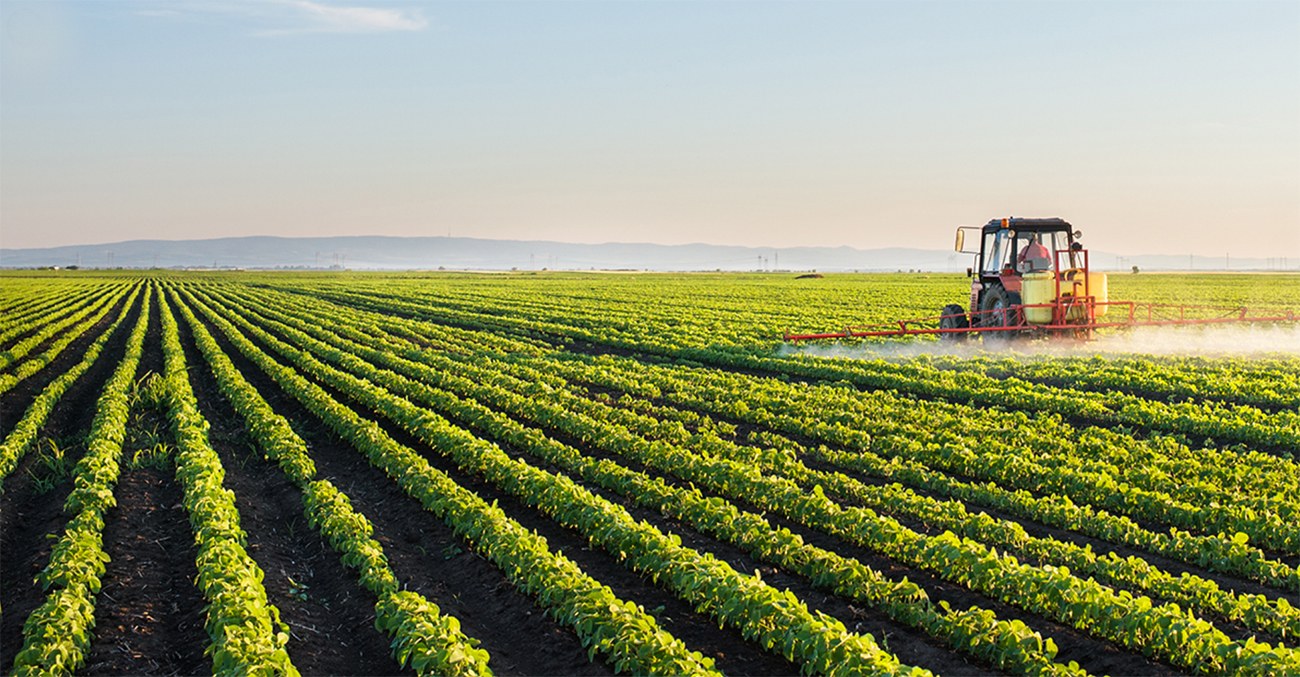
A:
x: 294, y: 17
x: 316, y: 17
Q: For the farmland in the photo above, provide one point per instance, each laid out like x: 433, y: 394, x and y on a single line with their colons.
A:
x: 561, y: 473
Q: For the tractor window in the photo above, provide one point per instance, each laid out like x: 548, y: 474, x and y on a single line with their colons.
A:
x: 997, y: 251
x: 1037, y: 251
x: 1055, y: 242
x: 1034, y: 252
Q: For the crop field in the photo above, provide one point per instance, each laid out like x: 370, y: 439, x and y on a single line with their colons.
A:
x: 590, y: 474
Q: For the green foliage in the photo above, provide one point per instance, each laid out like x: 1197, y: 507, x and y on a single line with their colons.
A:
x: 57, y: 633
x: 668, y: 392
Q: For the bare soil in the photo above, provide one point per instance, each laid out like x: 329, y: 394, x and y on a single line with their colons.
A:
x: 330, y: 616
x: 31, y: 505
x: 429, y: 558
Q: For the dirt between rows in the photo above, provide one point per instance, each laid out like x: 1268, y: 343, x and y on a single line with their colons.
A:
x: 15, y: 402
x: 1099, y: 656
x: 911, y: 646
x: 427, y: 556
x: 1238, y: 585
x: 330, y: 616
x: 51, y: 314
x: 29, y: 514
x: 149, y: 615
x: 1227, y: 582
x: 732, y: 652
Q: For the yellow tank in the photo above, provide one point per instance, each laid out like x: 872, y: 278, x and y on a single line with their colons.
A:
x: 1039, y: 287
x: 1096, y: 287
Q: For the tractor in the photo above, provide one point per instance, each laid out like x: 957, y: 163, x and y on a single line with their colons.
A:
x: 1028, y: 273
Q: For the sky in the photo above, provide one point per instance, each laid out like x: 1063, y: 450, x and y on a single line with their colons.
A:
x: 1154, y: 127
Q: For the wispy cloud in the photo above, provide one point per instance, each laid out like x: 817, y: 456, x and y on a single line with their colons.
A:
x: 316, y: 17
x: 293, y: 17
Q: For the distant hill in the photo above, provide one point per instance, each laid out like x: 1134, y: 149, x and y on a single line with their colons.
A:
x: 463, y: 253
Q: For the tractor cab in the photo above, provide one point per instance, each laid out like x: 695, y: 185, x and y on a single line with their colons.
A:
x: 1009, y: 248
x: 1013, y: 247
x: 1012, y: 253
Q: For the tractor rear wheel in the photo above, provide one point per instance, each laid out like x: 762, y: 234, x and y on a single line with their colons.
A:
x: 999, y: 310
x: 954, y: 317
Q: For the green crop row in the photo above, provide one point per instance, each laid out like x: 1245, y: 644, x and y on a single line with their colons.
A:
x: 1120, y: 617
x: 629, y: 637
x: 537, y: 318
x: 1015, y: 454
x: 56, y: 347
x: 46, y: 305
x: 598, y: 328
x: 1195, y: 471
x: 48, y: 330
x: 1009, y: 460
x: 778, y: 621
x: 1227, y: 380
x: 1008, y: 644
x: 20, y: 438
x: 1227, y: 554
x: 1035, y: 588
x: 245, y: 629
x: 421, y: 636
x: 58, y: 632
x: 1275, y: 616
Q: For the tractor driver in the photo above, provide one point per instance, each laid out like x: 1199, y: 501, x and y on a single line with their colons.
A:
x: 1034, y: 256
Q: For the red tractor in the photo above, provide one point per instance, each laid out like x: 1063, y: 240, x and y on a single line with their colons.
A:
x: 1028, y: 273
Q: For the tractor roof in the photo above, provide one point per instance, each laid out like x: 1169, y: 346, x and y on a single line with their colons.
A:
x: 1032, y: 225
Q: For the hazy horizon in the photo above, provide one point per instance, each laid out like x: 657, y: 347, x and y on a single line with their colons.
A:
x: 1154, y: 127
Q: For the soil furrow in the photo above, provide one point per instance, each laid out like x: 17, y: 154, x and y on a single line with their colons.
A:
x: 330, y: 616
x: 428, y: 557
x: 31, y: 505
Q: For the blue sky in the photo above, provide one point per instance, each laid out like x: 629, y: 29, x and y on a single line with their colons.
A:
x: 1156, y: 127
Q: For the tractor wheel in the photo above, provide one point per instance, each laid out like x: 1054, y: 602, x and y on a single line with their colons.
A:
x: 954, y: 317
x: 998, y: 311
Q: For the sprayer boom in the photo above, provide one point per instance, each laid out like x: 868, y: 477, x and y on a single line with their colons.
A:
x: 1119, y: 314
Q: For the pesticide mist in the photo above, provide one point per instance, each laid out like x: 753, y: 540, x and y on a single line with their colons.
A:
x: 1200, y: 341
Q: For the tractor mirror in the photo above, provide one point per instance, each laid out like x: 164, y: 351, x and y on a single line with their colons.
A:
x: 961, y: 238
x: 1078, y: 234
